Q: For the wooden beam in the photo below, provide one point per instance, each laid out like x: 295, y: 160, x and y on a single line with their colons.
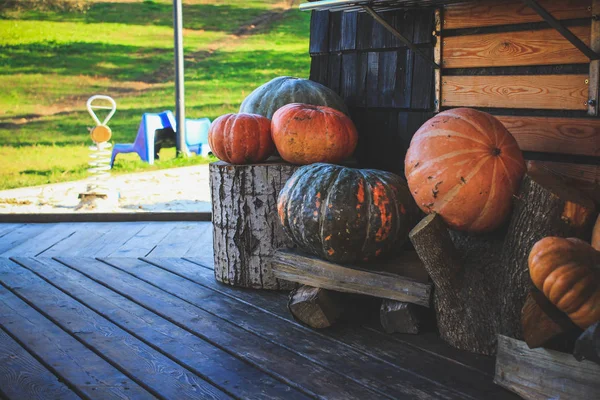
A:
x: 541, y: 47
x: 437, y: 58
x: 582, y: 176
x: 594, y: 91
x: 544, y: 374
x: 491, y: 12
x: 555, y: 135
x: 408, y: 283
x: 557, y: 92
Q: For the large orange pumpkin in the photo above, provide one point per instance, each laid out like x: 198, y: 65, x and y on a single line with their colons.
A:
x: 241, y: 138
x: 307, y: 134
x: 567, y: 271
x: 464, y: 165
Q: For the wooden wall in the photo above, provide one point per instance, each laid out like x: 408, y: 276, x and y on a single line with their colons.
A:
x: 499, y: 57
x: 388, y: 88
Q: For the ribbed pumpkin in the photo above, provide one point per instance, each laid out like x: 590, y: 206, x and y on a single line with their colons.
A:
x: 568, y: 272
x: 464, y: 165
x: 273, y: 95
x: 344, y: 214
x: 241, y: 138
x: 306, y: 134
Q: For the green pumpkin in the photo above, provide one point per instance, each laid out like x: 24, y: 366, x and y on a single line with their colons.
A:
x: 346, y: 215
x: 271, y: 96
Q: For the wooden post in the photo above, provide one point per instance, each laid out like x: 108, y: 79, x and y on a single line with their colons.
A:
x: 246, y: 227
x: 481, y: 281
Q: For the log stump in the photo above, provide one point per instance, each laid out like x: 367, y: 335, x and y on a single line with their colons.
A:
x: 246, y: 229
x: 400, y: 317
x: 481, y: 281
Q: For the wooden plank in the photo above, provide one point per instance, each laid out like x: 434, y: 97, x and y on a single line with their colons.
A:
x: 23, y: 377
x: 117, y: 235
x: 437, y: 58
x: 539, y: 47
x: 362, y: 73
x: 149, y: 368
x: 177, y: 242
x: 555, y: 135
x: 372, y: 373
x: 144, y: 241
x: 53, y: 234
x: 219, y: 329
x: 421, y: 78
x: 86, y: 233
x: 348, y: 78
x: 334, y: 72
x: 423, y: 20
x: 491, y: 12
x: 364, y: 29
x: 20, y: 235
x: 223, y: 370
x: 348, y: 41
x: 544, y: 374
x: 319, y: 32
x: 582, y: 176
x: 594, y: 93
x: 318, y: 68
x: 426, y: 354
x: 372, y: 81
x: 558, y: 92
x: 335, y: 32
x: 400, y: 285
x: 6, y: 228
x: 78, y: 366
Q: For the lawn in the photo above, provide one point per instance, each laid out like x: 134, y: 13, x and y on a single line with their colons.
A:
x: 51, y: 62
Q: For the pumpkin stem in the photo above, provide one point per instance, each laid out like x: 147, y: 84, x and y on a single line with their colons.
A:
x: 496, y: 151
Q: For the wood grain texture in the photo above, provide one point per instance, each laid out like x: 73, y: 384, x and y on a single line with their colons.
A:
x: 544, y: 374
x: 540, y: 47
x: 223, y: 370
x: 319, y: 32
x: 558, y: 92
x: 77, y: 365
x: 491, y: 12
x: 20, y: 235
x: 437, y: 58
x: 246, y: 226
x: 149, y: 368
x: 205, y: 313
x: 35, y: 246
x: 309, y: 270
x: 23, y: 377
x: 438, y: 361
x: 555, y: 135
x: 582, y: 176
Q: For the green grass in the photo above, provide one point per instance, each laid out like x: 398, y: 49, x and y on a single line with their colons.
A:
x: 50, y: 63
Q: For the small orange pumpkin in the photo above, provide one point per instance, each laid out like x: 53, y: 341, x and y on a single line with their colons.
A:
x: 568, y: 272
x: 241, y: 138
x: 307, y: 134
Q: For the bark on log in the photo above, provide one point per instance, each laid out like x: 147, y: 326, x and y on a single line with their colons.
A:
x: 246, y: 229
x: 481, y: 281
x: 587, y: 347
x: 400, y: 317
x: 542, y: 322
x: 315, y: 307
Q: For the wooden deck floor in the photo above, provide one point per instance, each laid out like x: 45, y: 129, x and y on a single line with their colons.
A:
x: 131, y: 310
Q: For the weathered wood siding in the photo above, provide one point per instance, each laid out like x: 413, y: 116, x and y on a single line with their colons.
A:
x: 502, y: 59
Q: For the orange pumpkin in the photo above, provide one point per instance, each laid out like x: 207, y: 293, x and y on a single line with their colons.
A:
x: 307, y: 134
x: 567, y: 271
x: 241, y: 138
x: 464, y: 165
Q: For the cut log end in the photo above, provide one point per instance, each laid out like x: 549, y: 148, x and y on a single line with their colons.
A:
x: 400, y: 317
x: 315, y: 307
x: 542, y: 321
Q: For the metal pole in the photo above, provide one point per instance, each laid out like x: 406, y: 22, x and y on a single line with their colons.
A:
x: 179, y: 85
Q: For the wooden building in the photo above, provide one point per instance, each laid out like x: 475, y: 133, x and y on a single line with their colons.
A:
x: 499, y: 57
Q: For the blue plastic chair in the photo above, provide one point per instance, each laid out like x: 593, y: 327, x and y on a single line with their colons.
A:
x: 145, y: 141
